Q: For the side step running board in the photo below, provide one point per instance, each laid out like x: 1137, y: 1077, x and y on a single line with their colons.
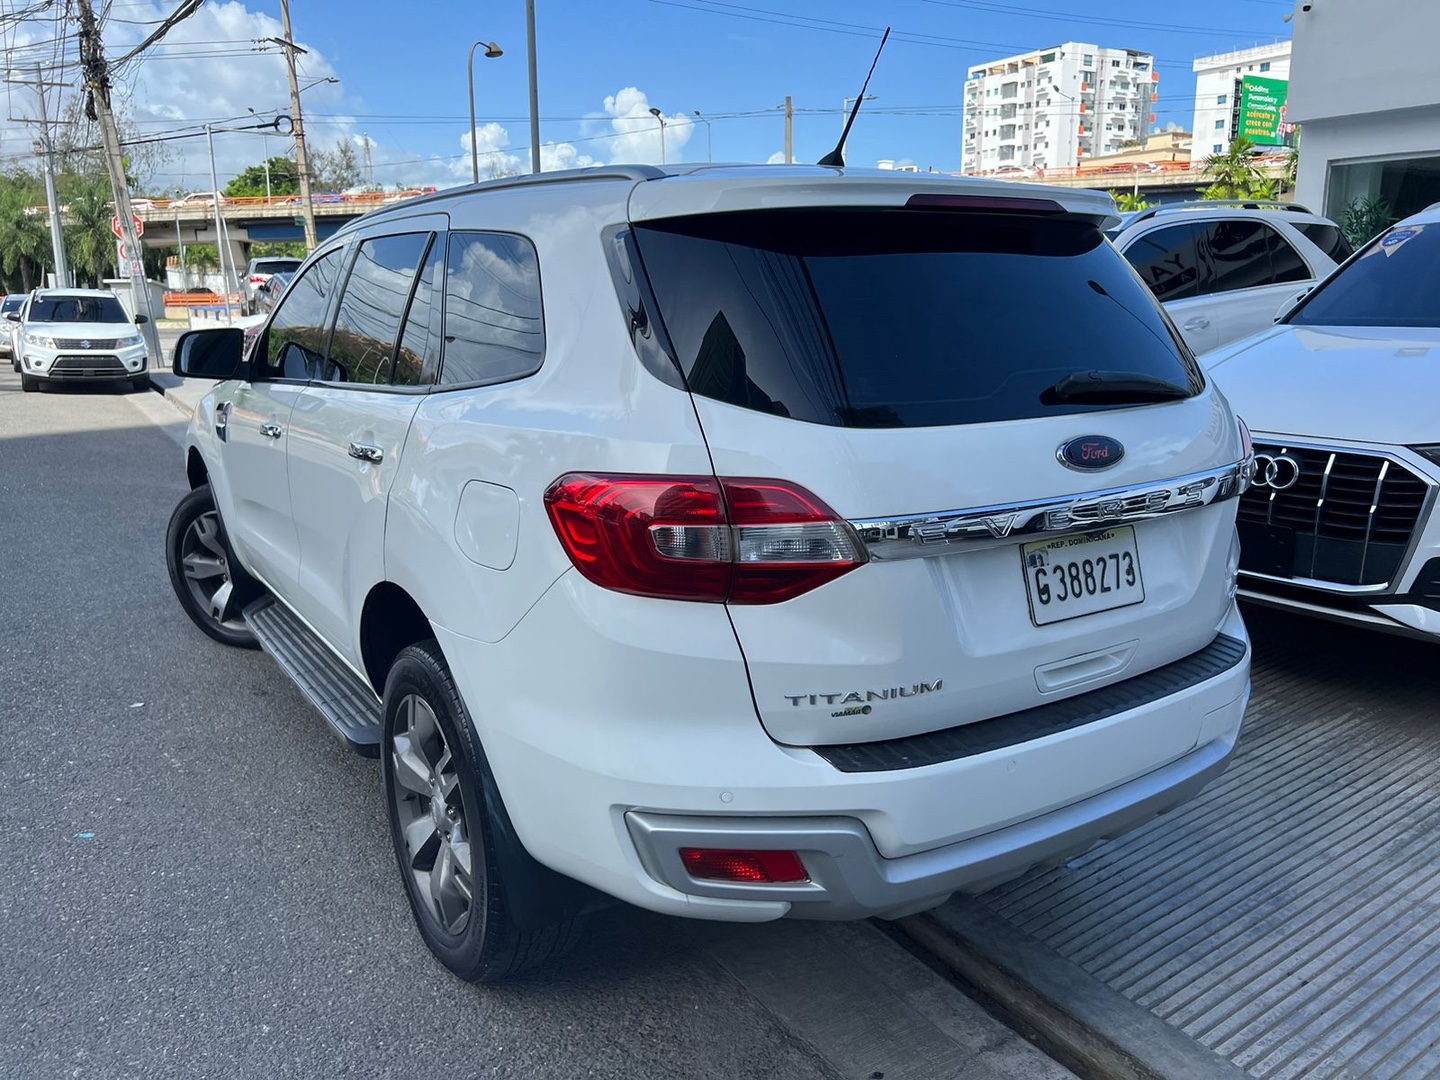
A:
x: 349, y: 704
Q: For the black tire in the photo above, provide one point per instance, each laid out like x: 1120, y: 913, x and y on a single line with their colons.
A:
x: 142, y: 383
x: 488, y: 947
x: 15, y: 363
x: 28, y: 383
x: 189, y: 537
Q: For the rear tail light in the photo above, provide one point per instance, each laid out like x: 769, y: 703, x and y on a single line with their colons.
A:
x: 257, y: 279
x: 727, y: 540
x: 748, y: 867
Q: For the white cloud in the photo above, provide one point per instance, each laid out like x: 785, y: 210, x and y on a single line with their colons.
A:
x: 777, y: 158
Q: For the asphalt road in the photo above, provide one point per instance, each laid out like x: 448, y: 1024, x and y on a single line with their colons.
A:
x: 198, y: 882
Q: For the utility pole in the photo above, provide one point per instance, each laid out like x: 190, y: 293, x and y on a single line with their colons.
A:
x: 45, y: 149
x: 534, y: 88
x: 789, y: 130
x: 369, y: 169
x: 97, y: 82
x: 302, y: 162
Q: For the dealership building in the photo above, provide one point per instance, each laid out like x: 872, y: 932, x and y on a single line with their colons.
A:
x: 1240, y: 93
x: 1365, y: 88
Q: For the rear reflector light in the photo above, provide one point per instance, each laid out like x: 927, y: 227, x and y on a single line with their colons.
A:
x: 750, y: 867
x: 997, y: 204
x: 727, y: 540
x: 257, y: 279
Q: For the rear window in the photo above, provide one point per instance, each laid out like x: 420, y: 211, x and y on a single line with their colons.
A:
x: 900, y: 318
x: 1396, y: 282
x: 11, y: 303
x: 1328, y: 238
x: 276, y: 266
x: 96, y: 309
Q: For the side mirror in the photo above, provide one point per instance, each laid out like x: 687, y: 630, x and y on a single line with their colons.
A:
x: 1288, y: 305
x: 13, y: 316
x: 141, y: 319
x: 210, y: 354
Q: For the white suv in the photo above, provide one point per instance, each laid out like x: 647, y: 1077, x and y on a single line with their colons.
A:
x: 78, y: 335
x: 732, y: 541
x: 1224, y: 270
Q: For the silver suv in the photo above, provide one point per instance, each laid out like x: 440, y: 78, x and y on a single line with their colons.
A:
x: 1223, y: 270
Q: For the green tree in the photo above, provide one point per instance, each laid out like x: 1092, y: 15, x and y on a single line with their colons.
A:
x: 277, y: 249
x: 334, y: 170
x: 1233, y: 174
x: 1127, y: 201
x: 89, y: 243
x: 24, y: 234
x: 284, y: 180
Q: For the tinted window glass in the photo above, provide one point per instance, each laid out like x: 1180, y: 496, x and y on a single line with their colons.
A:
x: 898, y: 318
x: 493, y: 325
x: 419, y: 357
x: 275, y: 266
x: 1396, y: 282
x: 1286, y: 264
x: 1239, y: 254
x: 1328, y: 238
x: 295, y: 339
x: 367, y: 325
x: 11, y: 303
x: 1168, y: 262
x: 94, y: 309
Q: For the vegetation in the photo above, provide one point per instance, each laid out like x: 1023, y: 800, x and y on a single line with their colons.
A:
x: 24, y: 236
x: 1365, y: 218
x: 1234, y: 175
x: 284, y: 180
x: 334, y: 170
x: 1127, y: 201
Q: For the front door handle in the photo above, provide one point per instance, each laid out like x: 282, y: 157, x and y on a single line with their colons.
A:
x: 1197, y: 323
x: 366, y: 452
x: 271, y: 431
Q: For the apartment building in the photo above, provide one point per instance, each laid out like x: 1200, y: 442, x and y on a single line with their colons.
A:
x: 1055, y: 107
x: 1253, y: 78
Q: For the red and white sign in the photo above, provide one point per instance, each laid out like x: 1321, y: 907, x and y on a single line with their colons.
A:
x: 120, y: 234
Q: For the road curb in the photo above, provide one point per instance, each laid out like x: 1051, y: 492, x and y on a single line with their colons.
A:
x: 1073, y: 1015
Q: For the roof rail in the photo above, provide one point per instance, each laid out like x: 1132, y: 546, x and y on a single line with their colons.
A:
x: 1204, y: 204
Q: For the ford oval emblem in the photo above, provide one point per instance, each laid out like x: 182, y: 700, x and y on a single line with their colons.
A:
x: 1091, y: 452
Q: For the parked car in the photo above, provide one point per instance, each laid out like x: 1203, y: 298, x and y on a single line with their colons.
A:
x: 259, y: 272
x: 729, y: 541
x: 201, y: 198
x: 1341, y: 519
x: 1222, y: 269
x: 269, y: 291
x: 78, y: 335
x: 11, y: 304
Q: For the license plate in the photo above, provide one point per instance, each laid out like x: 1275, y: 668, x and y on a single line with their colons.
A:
x: 1081, y: 574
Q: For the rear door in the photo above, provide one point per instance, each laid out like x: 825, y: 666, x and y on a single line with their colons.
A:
x: 1254, y: 270
x: 350, y: 424
x: 903, y: 367
x: 1171, y: 261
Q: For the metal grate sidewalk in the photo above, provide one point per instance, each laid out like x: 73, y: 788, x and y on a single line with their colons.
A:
x: 1289, y: 918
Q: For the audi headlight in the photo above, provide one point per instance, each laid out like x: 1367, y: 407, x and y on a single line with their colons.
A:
x: 1431, y: 452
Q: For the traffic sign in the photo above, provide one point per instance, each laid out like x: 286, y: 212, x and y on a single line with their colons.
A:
x: 120, y: 234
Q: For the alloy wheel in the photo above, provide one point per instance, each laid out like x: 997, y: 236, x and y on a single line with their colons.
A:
x: 207, y: 571
x: 431, y: 813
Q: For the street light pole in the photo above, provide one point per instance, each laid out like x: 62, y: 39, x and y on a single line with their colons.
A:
x: 534, y: 88
x: 658, y: 115
x: 709, y: 142
x: 222, y: 242
x: 266, y: 140
x: 491, y: 51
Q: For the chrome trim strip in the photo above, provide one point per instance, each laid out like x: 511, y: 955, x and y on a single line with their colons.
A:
x: 921, y: 535
x: 1321, y: 585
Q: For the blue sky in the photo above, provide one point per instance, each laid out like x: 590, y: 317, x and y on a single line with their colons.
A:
x: 402, y: 73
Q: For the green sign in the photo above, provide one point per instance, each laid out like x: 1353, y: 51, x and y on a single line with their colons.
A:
x: 299, y: 221
x: 1262, y: 110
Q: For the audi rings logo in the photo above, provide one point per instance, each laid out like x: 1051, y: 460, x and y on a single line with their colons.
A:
x: 1276, y: 471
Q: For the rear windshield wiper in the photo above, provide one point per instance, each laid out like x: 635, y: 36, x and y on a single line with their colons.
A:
x: 1113, y: 388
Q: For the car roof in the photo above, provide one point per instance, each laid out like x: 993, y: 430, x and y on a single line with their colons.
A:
x: 48, y: 293
x: 696, y: 188
x: 1218, y: 208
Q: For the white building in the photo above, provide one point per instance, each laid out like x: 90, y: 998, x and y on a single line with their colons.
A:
x: 1366, y: 91
x: 1053, y: 108
x: 1218, y: 90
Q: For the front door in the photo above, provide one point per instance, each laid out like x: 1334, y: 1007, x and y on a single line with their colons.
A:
x: 257, y: 427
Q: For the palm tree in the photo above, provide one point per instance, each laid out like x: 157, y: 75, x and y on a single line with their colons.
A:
x: 24, y: 235
x: 88, y: 240
x: 1126, y: 201
x: 1233, y: 174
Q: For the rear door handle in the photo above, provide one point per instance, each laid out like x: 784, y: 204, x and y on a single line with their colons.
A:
x: 1197, y: 323
x: 271, y: 431
x: 366, y: 452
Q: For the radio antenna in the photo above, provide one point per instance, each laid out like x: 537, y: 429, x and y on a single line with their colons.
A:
x: 837, y: 156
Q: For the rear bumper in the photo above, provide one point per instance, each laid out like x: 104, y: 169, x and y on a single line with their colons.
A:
x: 850, y: 879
